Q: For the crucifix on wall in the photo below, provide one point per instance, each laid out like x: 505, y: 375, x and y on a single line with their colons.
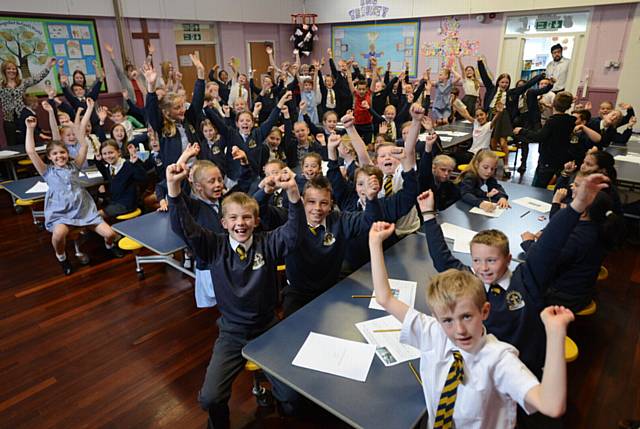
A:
x: 145, y: 36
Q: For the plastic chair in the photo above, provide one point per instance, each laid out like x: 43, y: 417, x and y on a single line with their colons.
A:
x: 463, y: 167
x: 137, y: 212
x: 570, y: 350
x: 263, y: 398
x: 588, y: 310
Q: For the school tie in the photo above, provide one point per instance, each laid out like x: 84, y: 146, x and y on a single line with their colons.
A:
x: 316, y: 230
x: 113, y: 170
x: 444, y: 414
x: 496, y: 289
x: 499, y: 99
x: 388, y: 186
x: 239, y: 91
x: 242, y: 253
x: 332, y: 98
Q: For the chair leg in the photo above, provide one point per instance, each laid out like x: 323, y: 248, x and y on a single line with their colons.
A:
x: 83, y: 258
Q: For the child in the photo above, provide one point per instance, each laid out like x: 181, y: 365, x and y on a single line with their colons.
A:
x: 599, y: 230
x: 479, y: 187
x: 30, y: 106
x: 482, y: 129
x: 363, y: 119
x: 311, y: 168
x: 459, y: 110
x: 434, y: 173
x: 175, y: 125
x: 470, y: 85
x: 341, y: 86
x: 471, y: 379
x: 121, y: 138
x: 118, y: 117
x: 212, y: 147
x: 442, y: 100
x: 67, y: 203
x: 516, y: 297
x: 276, y: 198
x: 242, y: 265
x: 310, y: 99
x: 554, y: 138
x: 123, y: 177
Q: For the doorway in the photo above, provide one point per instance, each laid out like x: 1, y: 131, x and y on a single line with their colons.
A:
x: 207, y: 54
x: 258, y: 59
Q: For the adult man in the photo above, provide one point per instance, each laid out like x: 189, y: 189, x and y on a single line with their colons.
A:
x: 558, y: 69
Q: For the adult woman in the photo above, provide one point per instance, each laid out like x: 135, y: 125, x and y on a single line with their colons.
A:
x: 12, y: 89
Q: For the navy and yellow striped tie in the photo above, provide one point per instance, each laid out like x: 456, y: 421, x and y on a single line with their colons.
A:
x: 388, y: 186
x: 242, y: 253
x: 444, y: 414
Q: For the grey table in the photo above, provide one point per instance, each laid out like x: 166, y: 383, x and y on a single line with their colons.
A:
x: 153, y: 231
x: 512, y: 222
x: 391, y: 396
x: 628, y: 172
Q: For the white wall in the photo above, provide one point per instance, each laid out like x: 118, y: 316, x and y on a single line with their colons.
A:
x: 338, y: 10
x: 628, y: 84
x: 275, y: 11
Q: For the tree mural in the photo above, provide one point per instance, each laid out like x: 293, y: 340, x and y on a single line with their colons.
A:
x: 23, y: 44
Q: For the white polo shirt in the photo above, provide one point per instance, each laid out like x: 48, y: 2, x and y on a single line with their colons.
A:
x: 495, y: 380
x: 558, y: 70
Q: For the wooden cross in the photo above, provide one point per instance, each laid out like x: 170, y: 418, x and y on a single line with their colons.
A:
x: 145, y: 36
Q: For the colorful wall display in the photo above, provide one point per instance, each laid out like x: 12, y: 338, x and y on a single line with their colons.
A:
x: 443, y: 52
x: 30, y: 41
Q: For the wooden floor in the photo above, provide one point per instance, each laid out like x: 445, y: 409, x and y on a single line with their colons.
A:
x: 102, y: 349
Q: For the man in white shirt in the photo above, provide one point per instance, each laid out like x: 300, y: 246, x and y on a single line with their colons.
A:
x: 558, y: 69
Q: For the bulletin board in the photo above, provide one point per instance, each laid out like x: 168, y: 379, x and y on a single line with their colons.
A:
x: 30, y: 41
x: 394, y: 42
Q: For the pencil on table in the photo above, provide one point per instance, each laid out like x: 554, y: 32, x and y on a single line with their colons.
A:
x: 362, y: 296
x: 525, y: 213
x: 413, y: 370
x: 386, y: 330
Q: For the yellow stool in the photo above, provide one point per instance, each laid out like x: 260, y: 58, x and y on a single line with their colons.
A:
x: 25, y: 162
x: 137, y: 212
x: 513, y: 148
x: 499, y: 154
x: 570, y: 350
x: 251, y: 366
x: 604, y: 273
x: 25, y: 203
x: 128, y: 244
x: 281, y: 268
x: 4, y: 183
x: 263, y: 398
x: 588, y: 310
x: 463, y: 167
x: 551, y: 187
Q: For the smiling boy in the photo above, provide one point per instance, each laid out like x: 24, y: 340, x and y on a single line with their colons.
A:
x: 471, y: 380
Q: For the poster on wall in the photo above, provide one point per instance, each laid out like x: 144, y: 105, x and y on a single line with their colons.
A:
x: 394, y: 43
x: 30, y: 41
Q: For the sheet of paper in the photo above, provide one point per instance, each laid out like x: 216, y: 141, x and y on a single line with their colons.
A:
x: 444, y: 133
x: 92, y: 174
x: 388, y: 347
x: 42, y: 147
x: 404, y: 290
x: 533, y: 204
x: 461, y: 236
x: 8, y: 153
x: 628, y: 158
x: 496, y: 213
x: 446, y: 138
x: 38, y: 188
x: 458, y: 133
x: 337, y: 356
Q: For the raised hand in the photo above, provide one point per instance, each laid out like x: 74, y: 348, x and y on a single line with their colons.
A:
x: 560, y: 195
x: 426, y: 201
x: 380, y: 231
x: 150, y: 74
x: 321, y: 139
x: 31, y: 122
x: 303, y: 106
x: 175, y: 174
x: 285, y: 99
x: 398, y: 153
x: 417, y: 112
x: 556, y: 318
x: 347, y: 120
x: 239, y: 155
x: 46, y: 106
x: 103, y: 113
x: 268, y: 185
x: 570, y: 167
x: 125, y: 94
x: 334, y: 141
x: 383, y: 128
x: 587, y: 190
x: 164, y: 205
x: 269, y: 50
x: 372, y: 187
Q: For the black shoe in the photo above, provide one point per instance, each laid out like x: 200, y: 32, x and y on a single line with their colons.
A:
x: 264, y: 397
x: 506, y: 175
x: 522, y: 168
x: 116, y: 252
x: 67, y: 269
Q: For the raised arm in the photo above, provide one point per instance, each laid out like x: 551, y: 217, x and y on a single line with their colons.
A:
x: 81, y: 133
x: 356, y: 141
x: 380, y: 231
x: 417, y: 113
x: 484, y: 74
x: 53, y: 122
x: 30, y: 146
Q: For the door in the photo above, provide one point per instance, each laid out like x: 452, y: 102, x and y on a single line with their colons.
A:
x: 207, y: 54
x: 511, y: 58
x: 258, y: 58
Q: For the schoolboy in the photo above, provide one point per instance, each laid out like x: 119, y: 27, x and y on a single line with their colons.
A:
x: 243, y: 270
x: 516, y: 297
x: 315, y: 265
x: 434, y: 174
x: 361, y: 101
x: 471, y: 380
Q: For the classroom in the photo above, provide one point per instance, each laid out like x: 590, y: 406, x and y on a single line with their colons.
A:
x: 319, y: 214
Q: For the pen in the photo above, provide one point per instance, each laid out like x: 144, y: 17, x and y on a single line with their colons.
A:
x: 386, y: 330
x: 362, y: 296
x: 525, y: 213
x: 413, y: 370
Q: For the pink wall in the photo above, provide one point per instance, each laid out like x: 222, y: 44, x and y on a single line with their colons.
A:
x: 607, y: 39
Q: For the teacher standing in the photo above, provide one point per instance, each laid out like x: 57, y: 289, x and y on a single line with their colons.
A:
x: 558, y: 69
x: 12, y: 90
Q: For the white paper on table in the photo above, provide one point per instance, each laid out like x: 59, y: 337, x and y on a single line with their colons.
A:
x: 461, y: 236
x: 444, y: 133
x: 38, y: 188
x: 42, y: 147
x: 497, y: 212
x: 404, y: 290
x: 389, y: 349
x: 8, y: 152
x: 466, y: 121
x: 446, y: 138
x: 458, y: 133
x: 337, y: 356
x: 628, y: 158
x: 92, y: 174
x: 533, y: 204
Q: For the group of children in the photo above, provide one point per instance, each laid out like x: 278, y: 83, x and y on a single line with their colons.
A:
x: 258, y: 176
